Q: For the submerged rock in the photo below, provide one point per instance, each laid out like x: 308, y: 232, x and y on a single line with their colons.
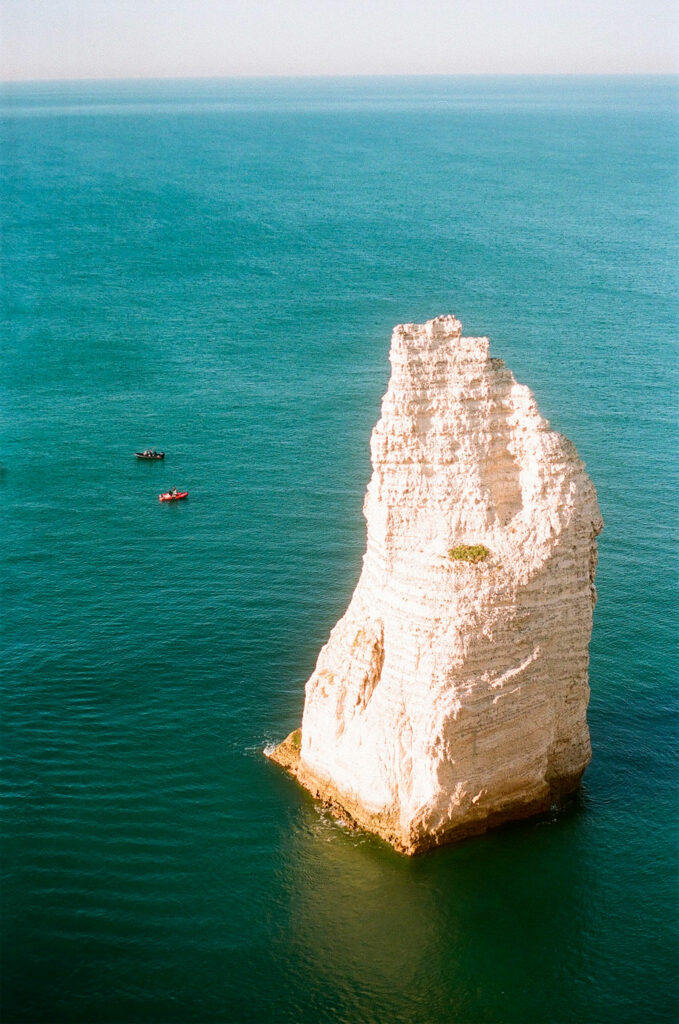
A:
x: 452, y: 695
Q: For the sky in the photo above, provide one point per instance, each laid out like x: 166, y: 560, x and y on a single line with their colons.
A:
x: 67, y: 39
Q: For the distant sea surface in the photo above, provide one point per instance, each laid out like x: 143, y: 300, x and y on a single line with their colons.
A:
x: 214, y: 268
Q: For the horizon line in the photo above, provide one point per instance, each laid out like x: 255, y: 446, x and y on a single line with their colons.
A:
x: 344, y: 75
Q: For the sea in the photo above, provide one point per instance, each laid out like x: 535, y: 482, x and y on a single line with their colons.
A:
x: 213, y: 268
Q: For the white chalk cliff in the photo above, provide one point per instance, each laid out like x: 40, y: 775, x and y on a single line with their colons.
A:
x: 452, y: 695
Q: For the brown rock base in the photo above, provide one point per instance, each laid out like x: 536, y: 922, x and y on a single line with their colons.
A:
x: 287, y: 755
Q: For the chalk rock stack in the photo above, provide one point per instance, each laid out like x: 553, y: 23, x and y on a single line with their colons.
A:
x: 452, y: 695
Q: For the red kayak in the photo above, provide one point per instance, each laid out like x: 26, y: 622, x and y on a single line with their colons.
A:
x: 170, y: 496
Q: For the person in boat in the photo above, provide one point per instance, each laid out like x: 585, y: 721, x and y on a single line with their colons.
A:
x: 174, y: 491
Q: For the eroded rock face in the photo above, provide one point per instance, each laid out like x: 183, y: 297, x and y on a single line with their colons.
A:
x: 452, y: 695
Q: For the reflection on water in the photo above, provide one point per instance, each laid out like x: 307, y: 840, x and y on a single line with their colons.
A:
x: 455, y: 935
x: 359, y: 922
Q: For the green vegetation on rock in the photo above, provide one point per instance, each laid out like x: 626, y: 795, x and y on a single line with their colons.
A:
x: 469, y: 553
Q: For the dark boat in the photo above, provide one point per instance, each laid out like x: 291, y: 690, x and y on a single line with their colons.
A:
x: 150, y: 453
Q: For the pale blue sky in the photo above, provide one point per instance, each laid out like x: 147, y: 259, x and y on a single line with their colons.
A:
x: 46, y: 39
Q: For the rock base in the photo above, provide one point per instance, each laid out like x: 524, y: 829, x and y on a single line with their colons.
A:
x: 354, y: 816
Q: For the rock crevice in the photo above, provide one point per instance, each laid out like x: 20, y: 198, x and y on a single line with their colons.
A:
x: 452, y: 695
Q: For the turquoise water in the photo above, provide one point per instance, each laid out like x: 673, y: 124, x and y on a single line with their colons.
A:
x: 214, y: 268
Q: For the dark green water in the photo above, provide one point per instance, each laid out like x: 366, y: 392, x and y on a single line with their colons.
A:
x: 214, y: 268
